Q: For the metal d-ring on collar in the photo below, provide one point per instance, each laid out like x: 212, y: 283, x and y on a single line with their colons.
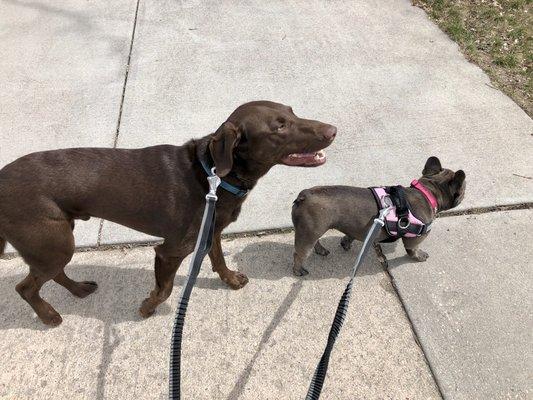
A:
x: 237, y: 191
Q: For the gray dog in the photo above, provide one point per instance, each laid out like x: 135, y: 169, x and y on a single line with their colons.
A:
x: 351, y: 211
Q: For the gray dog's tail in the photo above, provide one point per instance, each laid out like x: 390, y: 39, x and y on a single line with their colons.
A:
x: 301, y: 197
x: 2, y: 246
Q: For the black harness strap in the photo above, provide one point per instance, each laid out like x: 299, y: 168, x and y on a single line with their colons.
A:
x: 402, y: 226
x: 397, y: 195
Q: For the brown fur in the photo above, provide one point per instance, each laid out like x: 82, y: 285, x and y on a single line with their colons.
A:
x: 157, y: 190
x: 351, y: 211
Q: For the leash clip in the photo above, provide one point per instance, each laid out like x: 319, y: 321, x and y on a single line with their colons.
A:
x: 214, y: 181
x: 384, y: 211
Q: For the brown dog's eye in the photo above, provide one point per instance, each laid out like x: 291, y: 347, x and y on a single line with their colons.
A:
x: 282, y: 127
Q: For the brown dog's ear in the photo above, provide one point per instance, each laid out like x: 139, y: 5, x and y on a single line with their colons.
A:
x: 432, y: 166
x: 221, y: 147
x: 457, y: 181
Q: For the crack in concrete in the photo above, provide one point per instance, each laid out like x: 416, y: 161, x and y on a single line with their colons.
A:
x: 273, y: 231
x: 382, y: 258
x: 119, y: 120
x: 488, y: 209
x: 121, y: 107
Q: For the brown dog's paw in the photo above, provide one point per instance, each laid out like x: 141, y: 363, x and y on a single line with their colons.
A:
x: 237, y: 280
x: 146, y: 309
x: 84, y: 289
x: 52, y: 319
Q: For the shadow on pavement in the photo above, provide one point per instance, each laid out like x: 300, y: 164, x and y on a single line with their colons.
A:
x: 273, y: 260
x: 119, y: 295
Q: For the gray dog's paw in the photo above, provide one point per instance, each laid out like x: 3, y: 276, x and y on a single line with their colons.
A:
x: 321, y: 251
x: 300, y: 272
x: 346, y: 243
x: 418, y: 255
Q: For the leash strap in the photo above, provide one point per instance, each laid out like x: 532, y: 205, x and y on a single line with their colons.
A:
x: 203, y: 245
x: 315, y: 388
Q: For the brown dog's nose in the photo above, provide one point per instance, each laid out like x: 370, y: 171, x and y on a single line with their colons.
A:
x: 330, y: 132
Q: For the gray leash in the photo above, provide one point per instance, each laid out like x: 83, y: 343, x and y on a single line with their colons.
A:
x: 203, y: 245
x: 315, y: 388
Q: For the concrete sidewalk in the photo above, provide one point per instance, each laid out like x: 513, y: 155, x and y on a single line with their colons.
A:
x: 471, y: 303
x: 397, y: 88
x: 262, y: 342
x: 136, y: 73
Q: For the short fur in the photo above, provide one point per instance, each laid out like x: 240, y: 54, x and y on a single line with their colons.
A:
x: 351, y: 210
x: 157, y: 190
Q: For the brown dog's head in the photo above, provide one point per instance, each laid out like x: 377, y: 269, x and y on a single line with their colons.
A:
x: 262, y: 134
x: 448, y: 186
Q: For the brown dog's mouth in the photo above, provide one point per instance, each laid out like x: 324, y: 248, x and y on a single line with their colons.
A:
x: 305, y: 159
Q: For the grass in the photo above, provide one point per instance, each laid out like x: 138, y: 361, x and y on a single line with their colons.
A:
x: 494, y: 34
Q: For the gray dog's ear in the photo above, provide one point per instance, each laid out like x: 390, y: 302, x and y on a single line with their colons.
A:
x: 457, y: 181
x: 432, y: 166
x: 222, y: 145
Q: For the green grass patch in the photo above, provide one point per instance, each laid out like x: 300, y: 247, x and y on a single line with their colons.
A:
x: 495, y: 34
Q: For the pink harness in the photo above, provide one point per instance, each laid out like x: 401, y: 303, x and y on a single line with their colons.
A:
x: 406, y: 224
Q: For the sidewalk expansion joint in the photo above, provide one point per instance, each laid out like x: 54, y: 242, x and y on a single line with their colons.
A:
x: 488, y: 209
x: 126, y: 74
x: 274, y: 231
x: 120, y: 109
x: 385, y: 265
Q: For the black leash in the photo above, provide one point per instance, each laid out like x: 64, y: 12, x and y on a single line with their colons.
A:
x: 315, y: 388
x: 203, y: 245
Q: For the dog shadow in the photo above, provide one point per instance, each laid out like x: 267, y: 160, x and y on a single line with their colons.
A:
x: 122, y: 288
x: 273, y: 260
x: 117, y: 299
x: 391, y: 251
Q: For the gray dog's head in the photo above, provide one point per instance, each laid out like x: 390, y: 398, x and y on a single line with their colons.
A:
x: 448, y: 186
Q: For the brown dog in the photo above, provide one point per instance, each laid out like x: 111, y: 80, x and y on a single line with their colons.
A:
x: 351, y: 210
x: 157, y: 190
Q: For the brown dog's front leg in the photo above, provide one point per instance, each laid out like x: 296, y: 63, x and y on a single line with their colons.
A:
x: 411, y: 247
x: 235, y: 279
x: 166, y: 265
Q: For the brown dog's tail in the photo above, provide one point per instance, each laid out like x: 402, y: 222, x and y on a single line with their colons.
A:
x: 2, y: 246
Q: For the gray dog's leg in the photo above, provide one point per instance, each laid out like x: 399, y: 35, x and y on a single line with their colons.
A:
x: 411, y: 247
x: 346, y: 242
x: 320, y: 250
